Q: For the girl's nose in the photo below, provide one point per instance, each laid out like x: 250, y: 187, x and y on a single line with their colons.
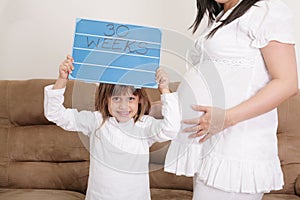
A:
x: 124, y: 104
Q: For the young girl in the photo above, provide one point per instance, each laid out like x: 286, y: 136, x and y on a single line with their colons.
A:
x: 244, y: 67
x: 120, y: 133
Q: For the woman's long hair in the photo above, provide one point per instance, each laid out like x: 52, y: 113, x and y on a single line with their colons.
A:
x: 212, y: 9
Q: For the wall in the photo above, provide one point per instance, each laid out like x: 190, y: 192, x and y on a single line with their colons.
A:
x: 36, y: 35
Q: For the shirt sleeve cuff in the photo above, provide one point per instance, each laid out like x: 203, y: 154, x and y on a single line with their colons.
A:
x: 54, y: 92
x: 168, y: 96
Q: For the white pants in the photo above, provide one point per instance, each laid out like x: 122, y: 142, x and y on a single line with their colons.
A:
x: 204, y: 192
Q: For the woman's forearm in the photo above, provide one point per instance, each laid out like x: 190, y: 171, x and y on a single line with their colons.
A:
x: 268, y: 98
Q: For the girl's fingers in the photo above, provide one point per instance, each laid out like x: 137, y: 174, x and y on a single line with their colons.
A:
x: 69, y: 64
x: 161, y: 75
x: 66, y: 68
x: 158, y: 77
x: 70, y: 68
x: 69, y: 57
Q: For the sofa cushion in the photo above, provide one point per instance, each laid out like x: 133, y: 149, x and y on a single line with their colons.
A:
x: 163, y: 180
x: 3, y: 156
x: 297, y: 185
x: 40, y: 175
x: 288, y: 142
x: 161, y: 194
x: 290, y: 173
x: 280, y: 197
x: 158, y: 152
x: 3, y: 103
x: 31, y: 194
x: 288, y: 131
x: 25, y: 102
x: 45, y: 143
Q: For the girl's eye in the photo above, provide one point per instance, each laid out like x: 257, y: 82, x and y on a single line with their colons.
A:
x: 131, y: 98
x: 115, y: 99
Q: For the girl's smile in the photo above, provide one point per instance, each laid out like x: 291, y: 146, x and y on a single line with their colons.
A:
x: 123, y: 107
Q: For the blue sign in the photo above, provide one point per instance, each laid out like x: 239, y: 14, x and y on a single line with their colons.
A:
x: 115, y: 53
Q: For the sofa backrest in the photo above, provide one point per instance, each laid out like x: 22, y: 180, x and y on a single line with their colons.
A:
x: 35, y: 153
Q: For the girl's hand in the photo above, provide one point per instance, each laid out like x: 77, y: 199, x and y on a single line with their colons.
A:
x: 163, y: 81
x: 66, y: 67
x: 210, y: 123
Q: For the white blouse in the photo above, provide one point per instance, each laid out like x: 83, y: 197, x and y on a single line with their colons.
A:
x: 228, y: 69
x: 119, y: 152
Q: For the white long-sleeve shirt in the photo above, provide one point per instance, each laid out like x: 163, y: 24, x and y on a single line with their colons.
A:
x: 119, y: 152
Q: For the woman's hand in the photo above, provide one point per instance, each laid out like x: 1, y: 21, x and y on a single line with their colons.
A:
x: 210, y: 123
x: 163, y: 81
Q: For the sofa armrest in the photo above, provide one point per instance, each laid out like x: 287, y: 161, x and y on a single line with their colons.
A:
x: 297, y: 185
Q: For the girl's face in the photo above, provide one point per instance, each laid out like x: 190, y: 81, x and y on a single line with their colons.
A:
x: 123, y: 107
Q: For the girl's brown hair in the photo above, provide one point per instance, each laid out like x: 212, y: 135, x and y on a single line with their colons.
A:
x: 105, y: 91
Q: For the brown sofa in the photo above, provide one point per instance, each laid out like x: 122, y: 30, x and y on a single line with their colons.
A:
x: 39, y: 160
